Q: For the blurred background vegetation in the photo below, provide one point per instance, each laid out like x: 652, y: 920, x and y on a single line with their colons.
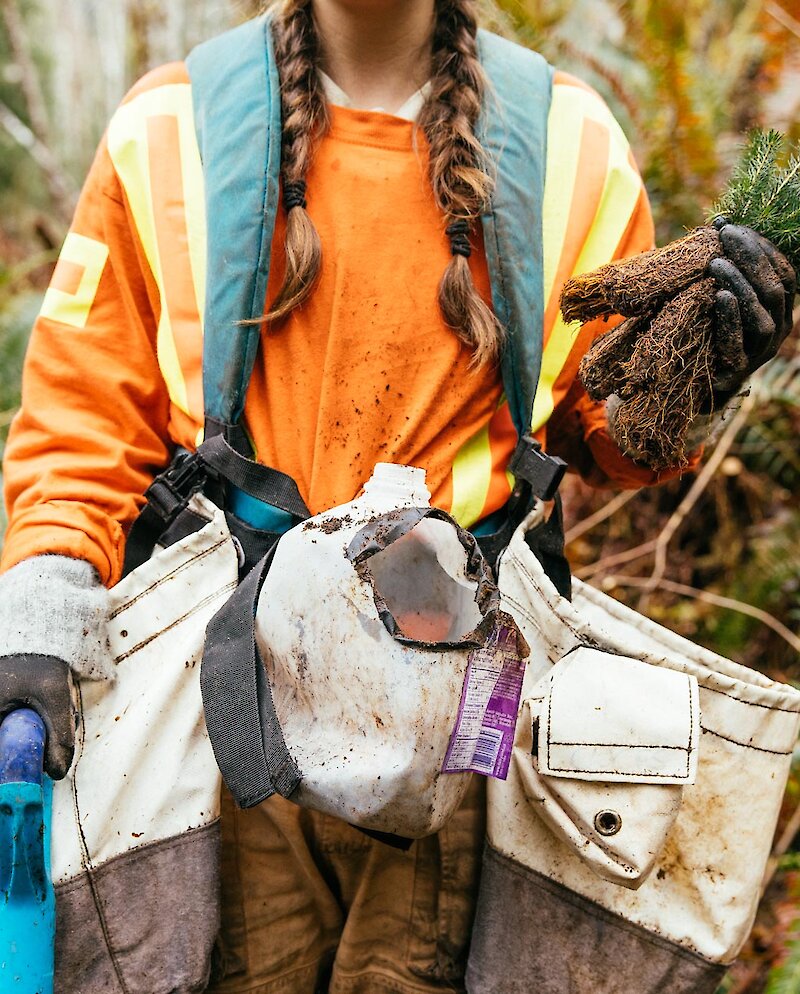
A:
x: 716, y: 556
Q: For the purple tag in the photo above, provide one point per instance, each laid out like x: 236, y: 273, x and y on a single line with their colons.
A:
x: 483, y: 736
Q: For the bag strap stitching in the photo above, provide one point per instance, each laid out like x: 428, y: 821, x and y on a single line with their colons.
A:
x: 619, y: 745
x: 86, y: 861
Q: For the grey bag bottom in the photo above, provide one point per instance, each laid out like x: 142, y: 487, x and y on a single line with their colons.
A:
x: 534, y: 936
x: 105, y: 941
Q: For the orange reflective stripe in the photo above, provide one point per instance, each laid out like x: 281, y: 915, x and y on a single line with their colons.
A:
x: 67, y: 276
x: 178, y: 288
x: 580, y: 212
x: 72, y: 292
x: 593, y: 203
x: 638, y: 234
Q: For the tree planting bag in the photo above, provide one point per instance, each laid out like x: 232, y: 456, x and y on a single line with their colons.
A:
x: 626, y: 849
x: 135, y: 853
x: 351, y: 672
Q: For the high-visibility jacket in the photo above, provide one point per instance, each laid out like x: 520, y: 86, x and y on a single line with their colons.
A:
x: 365, y: 371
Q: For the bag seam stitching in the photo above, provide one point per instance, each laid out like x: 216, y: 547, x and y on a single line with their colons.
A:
x: 227, y: 588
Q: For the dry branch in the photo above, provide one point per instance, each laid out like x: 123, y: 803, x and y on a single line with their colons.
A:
x: 709, y: 598
x: 601, y: 515
x: 703, y: 479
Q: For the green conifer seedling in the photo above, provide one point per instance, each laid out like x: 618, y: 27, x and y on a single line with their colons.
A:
x: 658, y: 362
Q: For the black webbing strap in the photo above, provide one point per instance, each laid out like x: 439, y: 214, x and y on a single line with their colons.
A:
x: 256, y: 480
x: 214, y: 463
x: 240, y: 714
x: 546, y: 542
x: 234, y: 435
x: 538, y: 475
x: 166, y: 497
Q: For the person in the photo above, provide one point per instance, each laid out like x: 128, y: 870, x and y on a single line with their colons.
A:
x: 379, y: 344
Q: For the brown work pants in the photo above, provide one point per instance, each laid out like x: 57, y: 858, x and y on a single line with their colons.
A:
x: 312, y: 905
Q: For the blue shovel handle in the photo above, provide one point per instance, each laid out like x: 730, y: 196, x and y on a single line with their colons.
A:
x: 22, y: 738
x: 27, y: 900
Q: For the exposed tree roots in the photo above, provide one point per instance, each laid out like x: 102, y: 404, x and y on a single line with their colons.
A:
x: 640, y: 285
x: 658, y: 361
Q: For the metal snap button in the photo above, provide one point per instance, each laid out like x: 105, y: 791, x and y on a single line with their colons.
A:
x: 607, y: 822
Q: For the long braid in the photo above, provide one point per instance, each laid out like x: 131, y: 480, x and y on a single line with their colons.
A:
x: 459, y: 170
x: 305, y: 119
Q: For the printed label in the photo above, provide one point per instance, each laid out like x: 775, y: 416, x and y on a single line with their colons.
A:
x: 483, y: 736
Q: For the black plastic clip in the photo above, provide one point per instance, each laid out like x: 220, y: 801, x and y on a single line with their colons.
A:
x: 544, y: 473
x: 170, y: 491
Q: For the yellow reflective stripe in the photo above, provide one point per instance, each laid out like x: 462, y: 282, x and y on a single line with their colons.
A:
x: 618, y: 202
x: 563, y: 153
x: 129, y: 150
x: 472, y: 474
x: 73, y: 308
x: 555, y: 355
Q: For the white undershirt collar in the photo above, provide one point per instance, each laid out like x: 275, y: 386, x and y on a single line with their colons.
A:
x: 334, y: 94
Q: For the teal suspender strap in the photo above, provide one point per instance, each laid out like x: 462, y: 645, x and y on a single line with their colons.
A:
x: 236, y: 93
x: 237, y: 105
x: 237, y: 110
x: 513, y: 129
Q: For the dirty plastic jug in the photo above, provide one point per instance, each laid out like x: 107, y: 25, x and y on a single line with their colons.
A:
x: 27, y: 900
x: 380, y: 631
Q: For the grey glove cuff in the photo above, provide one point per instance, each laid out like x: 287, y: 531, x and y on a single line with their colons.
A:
x: 56, y: 606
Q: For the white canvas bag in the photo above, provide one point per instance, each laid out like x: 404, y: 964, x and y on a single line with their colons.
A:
x: 629, y: 842
x: 135, y: 837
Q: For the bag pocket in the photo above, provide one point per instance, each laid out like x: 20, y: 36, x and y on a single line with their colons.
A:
x: 612, y: 743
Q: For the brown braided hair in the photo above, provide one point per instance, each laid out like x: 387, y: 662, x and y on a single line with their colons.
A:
x: 459, y: 169
x: 305, y: 117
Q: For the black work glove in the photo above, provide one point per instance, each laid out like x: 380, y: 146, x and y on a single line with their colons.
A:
x: 43, y: 683
x: 753, y: 310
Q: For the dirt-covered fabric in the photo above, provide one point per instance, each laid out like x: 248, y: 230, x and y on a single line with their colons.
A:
x: 105, y: 939
x: 533, y: 934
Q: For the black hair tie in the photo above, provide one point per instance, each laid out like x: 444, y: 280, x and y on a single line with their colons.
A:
x: 458, y: 233
x: 294, y: 195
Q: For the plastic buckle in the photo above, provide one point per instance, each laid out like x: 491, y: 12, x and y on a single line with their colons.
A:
x: 168, y: 493
x: 187, y: 472
x: 544, y: 473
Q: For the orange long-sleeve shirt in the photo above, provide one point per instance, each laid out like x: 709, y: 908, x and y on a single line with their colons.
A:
x: 365, y: 371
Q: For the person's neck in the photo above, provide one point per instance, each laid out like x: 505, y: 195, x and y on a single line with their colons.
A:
x: 380, y: 55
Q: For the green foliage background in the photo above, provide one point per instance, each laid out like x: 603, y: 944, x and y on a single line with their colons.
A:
x: 686, y: 80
